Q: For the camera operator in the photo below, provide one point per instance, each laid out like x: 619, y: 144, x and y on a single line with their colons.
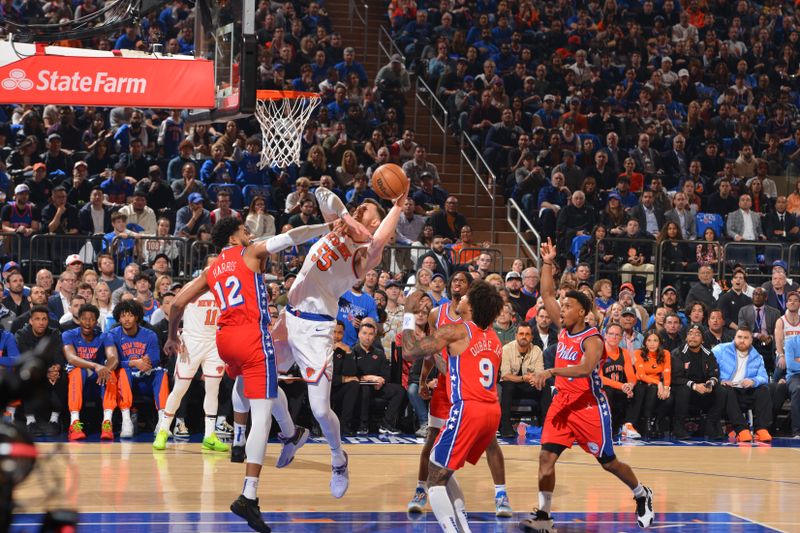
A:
x: 38, y: 335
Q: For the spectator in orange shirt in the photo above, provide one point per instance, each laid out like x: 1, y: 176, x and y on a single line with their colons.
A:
x: 654, y: 373
x: 619, y: 378
x: 465, y: 251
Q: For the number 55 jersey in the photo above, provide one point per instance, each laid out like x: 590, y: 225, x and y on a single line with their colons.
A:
x: 475, y: 413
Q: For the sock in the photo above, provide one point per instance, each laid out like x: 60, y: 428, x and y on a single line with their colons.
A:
x: 239, y: 434
x: 498, y: 489
x: 126, y: 415
x: 221, y: 420
x: 443, y: 509
x: 161, y: 415
x: 422, y: 485
x: 74, y: 416
x: 11, y: 411
x: 337, y: 456
x: 250, y: 489
x: 30, y: 419
x: 545, y: 501
x: 107, y: 414
x: 639, y: 491
x: 166, y: 422
x: 459, y: 504
x: 280, y: 412
x: 54, y: 417
x: 210, y: 424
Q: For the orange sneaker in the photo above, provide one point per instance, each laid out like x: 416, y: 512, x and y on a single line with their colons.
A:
x: 75, y: 431
x: 106, y: 431
x: 744, y: 436
x: 763, y: 435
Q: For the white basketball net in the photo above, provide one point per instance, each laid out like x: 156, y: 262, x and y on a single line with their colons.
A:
x: 282, y: 122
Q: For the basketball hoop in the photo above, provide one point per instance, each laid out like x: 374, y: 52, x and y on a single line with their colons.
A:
x: 283, y: 116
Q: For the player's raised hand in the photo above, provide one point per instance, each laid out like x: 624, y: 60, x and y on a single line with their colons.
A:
x: 548, y: 251
x: 400, y: 201
x: 412, y: 301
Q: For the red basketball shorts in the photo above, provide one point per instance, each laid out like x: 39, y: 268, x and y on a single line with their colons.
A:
x: 585, y: 420
x: 439, y: 409
x: 467, y: 433
x: 249, y: 352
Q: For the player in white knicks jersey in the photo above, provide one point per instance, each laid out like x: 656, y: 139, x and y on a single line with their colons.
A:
x: 332, y: 266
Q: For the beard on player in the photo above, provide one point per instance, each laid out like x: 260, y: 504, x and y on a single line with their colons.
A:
x: 574, y: 308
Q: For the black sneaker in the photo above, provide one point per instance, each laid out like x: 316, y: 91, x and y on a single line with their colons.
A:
x: 362, y: 431
x: 34, y: 430
x: 538, y: 522
x: 51, y: 429
x: 680, y: 434
x: 238, y: 454
x: 644, y: 509
x: 248, y: 509
x: 386, y: 429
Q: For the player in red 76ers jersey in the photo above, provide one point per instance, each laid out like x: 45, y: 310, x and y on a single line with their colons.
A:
x: 440, y: 408
x: 580, y: 410
x: 473, y: 357
x: 243, y: 338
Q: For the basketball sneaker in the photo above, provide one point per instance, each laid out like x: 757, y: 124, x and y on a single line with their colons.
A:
x: 291, y: 445
x: 419, y: 501
x: 422, y: 431
x: 75, y: 431
x: 106, y: 430
x: 644, y: 509
x: 502, y: 506
x: 160, y: 442
x: 238, y: 454
x: 340, y: 479
x: 181, y: 431
x: 762, y: 435
x: 629, y: 432
x: 212, y: 443
x: 744, y: 436
x: 249, y: 510
x: 224, y: 430
x: 127, y: 429
x: 538, y: 522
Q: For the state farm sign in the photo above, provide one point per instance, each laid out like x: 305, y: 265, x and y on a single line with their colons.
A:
x: 109, y: 81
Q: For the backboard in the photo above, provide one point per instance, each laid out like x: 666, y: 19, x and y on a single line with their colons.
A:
x: 225, y: 33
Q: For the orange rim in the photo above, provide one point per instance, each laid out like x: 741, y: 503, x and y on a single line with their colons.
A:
x: 282, y: 95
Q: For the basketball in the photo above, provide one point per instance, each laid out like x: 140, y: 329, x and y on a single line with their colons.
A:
x: 389, y: 181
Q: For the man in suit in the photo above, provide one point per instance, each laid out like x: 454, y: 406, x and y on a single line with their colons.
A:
x: 780, y: 225
x: 675, y: 162
x: 647, y: 161
x: 448, y: 223
x: 682, y: 216
x: 59, y: 302
x: 444, y: 263
x: 95, y: 216
x: 761, y: 319
x: 649, y: 215
x: 744, y: 224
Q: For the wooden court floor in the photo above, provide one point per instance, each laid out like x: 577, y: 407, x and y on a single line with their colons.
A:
x: 757, y: 483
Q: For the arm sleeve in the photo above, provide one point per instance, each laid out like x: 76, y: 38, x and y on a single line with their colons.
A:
x: 330, y: 205
x: 295, y: 237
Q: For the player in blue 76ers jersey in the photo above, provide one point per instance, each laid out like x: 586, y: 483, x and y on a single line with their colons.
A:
x: 474, y: 354
x: 580, y: 410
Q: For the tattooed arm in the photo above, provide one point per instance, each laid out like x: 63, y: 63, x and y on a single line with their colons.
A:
x: 414, y: 348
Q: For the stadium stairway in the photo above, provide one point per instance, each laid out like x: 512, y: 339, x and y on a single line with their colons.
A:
x: 478, y: 213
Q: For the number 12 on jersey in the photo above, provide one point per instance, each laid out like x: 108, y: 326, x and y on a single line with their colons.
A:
x: 234, y: 287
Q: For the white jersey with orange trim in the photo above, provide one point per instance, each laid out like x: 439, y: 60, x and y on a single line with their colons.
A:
x: 200, y: 319
x: 327, y: 273
x: 789, y: 329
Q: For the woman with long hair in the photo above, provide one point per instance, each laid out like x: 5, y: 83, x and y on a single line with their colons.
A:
x: 675, y: 254
x: 91, y: 277
x: 421, y: 280
x: 162, y: 285
x: 102, y: 299
x: 596, y: 246
x: 259, y: 221
x: 99, y: 159
x: 654, y: 374
x: 422, y: 244
x: 708, y: 252
x: 637, y: 178
x: 793, y: 200
x: 614, y: 216
x: 316, y: 165
x: 697, y: 314
x: 761, y: 204
x: 348, y: 170
x: 412, y: 369
x: 26, y: 155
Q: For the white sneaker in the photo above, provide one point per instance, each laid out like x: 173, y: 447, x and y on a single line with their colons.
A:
x: 340, y: 479
x: 127, y: 429
x: 422, y: 431
x: 224, y: 430
x: 644, y: 509
x: 181, y: 431
x: 538, y: 522
x: 629, y: 432
x: 291, y: 445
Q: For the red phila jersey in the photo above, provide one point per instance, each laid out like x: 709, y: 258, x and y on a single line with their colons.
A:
x: 442, y: 319
x: 569, y: 352
x: 473, y: 373
x: 241, y: 294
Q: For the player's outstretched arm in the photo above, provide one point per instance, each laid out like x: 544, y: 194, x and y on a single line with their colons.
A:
x: 414, y: 348
x: 547, y: 283
x: 188, y: 294
x: 383, y: 235
x: 293, y: 237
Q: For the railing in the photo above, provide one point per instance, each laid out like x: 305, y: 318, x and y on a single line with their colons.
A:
x: 389, y: 47
x: 466, y: 256
x: 515, y: 217
x: 439, y: 118
x: 353, y: 12
x: 50, y: 250
x: 175, y: 248
x: 12, y: 246
x: 198, y: 252
x: 663, y: 270
x: 478, y: 166
x: 614, y: 268
x: 747, y: 253
x: 794, y: 260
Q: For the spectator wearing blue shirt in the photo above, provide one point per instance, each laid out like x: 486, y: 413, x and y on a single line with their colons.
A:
x: 9, y: 353
x: 191, y: 217
x: 792, y: 357
x: 624, y: 194
x: 250, y: 173
x: 121, y: 242
x: 350, y: 65
x: 126, y: 132
x: 140, y: 369
x: 217, y: 169
x: 551, y: 199
x: 359, y: 192
x: 354, y: 306
x: 127, y: 41
x: 337, y: 110
x: 171, y: 133
x: 91, y: 357
x: 117, y: 188
x: 743, y: 384
x: 547, y: 116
